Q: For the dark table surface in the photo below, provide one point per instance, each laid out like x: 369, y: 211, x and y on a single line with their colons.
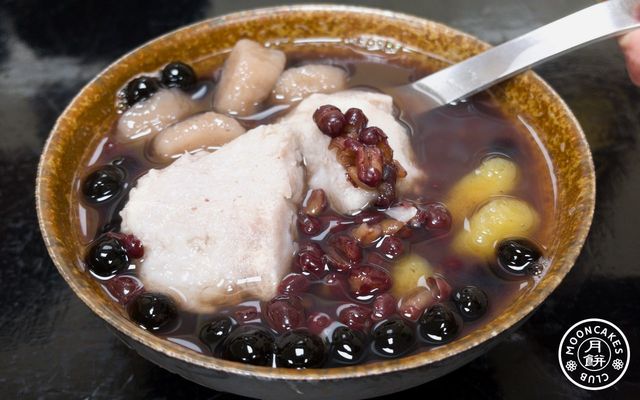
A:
x: 52, y: 346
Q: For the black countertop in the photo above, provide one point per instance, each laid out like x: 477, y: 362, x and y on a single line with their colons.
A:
x: 52, y: 346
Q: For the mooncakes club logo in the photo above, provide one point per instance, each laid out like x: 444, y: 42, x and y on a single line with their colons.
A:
x: 594, y: 354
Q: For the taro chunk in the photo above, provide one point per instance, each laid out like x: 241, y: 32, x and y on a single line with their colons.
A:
x: 200, y: 131
x: 248, y: 77
x: 151, y: 116
x: 297, y: 83
x: 218, y: 227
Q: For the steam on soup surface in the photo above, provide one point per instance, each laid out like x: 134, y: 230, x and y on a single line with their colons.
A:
x: 280, y: 210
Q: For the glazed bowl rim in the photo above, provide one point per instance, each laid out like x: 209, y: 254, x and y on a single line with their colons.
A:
x: 421, y: 359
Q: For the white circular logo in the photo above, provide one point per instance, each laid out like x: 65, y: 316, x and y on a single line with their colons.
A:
x: 594, y: 354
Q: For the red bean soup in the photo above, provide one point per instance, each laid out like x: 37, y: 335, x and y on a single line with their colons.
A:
x: 438, y: 249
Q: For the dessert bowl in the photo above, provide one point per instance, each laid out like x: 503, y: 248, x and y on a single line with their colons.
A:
x: 93, y: 111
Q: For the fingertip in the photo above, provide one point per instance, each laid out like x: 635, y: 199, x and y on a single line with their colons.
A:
x: 630, y: 45
x: 633, y: 67
x: 630, y: 41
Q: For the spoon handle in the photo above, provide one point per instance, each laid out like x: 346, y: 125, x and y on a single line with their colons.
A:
x: 477, y: 73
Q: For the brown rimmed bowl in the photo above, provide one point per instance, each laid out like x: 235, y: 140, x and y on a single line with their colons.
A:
x: 92, y: 112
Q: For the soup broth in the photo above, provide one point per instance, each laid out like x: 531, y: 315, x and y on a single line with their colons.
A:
x: 449, y: 143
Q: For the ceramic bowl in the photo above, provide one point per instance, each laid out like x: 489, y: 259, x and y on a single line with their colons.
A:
x: 92, y: 112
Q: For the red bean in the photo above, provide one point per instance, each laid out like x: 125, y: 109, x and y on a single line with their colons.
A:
x: 369, y: 165
x: 131, y: 244
x: 411, y: 313
x: 285, y: 313
x: 384, y: 306
x: 369, y: 175
x: 311, y: 247
x: 437, y: 217
x: 310, y: 260
x: 369, y: 217
x: 386, y: 195
x: 352, y: 177
x: 124, y: 288
x: 367, y: 234
x: 412, y: 305
x: 347, y: 247
x: 371, y: 136
x: 391, y: 247
x: 352, y: 146
x: 356, y: 120
x: 293, y: 284
x: 335, y: 286
x: 316, y: 203
x: 347, y: 157
x: 439, y: 287
x: 365, y: 281
x: 329, y: 120
x: 335, y: 264
x: 346, y: 149
x: 246, y: 314
x: 134, y: 246
x: 355, y: 316
x: 418, y: 220
x: 310, y: 225
x: 317, y: 322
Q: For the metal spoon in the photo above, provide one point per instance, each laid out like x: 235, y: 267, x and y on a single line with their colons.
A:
x: 477, y: 73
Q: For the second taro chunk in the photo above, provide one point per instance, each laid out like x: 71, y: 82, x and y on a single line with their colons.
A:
x: 324, y: 170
